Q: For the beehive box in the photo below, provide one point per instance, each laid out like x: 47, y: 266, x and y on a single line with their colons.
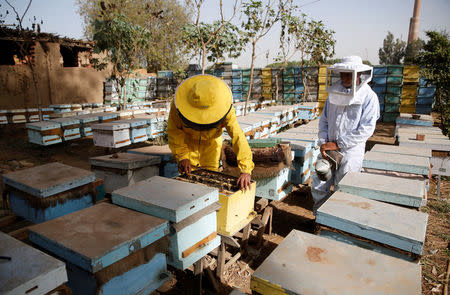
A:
x: 48, y: 191
x: 399, y: 163
x: 391, y: 225
x: 191, y: 209
x: 112, y: 134
x: 409, y: 120
x: 168, y: 166
x: 33, y: 115
x: 108, y: 249
x: 123, y: 169
x: 298, y: 265
x: 16, y: 116
x: 61, y: 108
x: 3, y: 117
x: 138, y: 129
x: 46, y: 112
x: 394, y: 190
x: 44, y: 133
x: 29, y: 271
x: 384, y: 148
x: 107, y: 117
x: 69, y: 126
x: 275, y: 188
x: 236, y: 205
x: 86, y: 122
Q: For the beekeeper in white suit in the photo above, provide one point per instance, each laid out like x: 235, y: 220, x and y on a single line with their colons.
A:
x: 347, y: 121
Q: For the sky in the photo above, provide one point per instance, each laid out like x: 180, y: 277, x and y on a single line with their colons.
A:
x: 360, y: 25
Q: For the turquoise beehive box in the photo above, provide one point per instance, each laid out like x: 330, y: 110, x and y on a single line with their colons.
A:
x: 70, y: 127
x: 48, y: 191
x: 108, y: 249
x: 190, y: 208
x: 44, y: 133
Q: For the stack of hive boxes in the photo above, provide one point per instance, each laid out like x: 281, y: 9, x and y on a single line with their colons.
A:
x: 311, y: 88
x: 322, y: 94
x: 224, y: 72
x: 257, y: 84
x: 409, y: 89
x: 135, y: 89
x: 165, y: 85
x: 425, y: 97
x: 266, y: 76
x: 394, y: 82
x: 151, y: 87
x: 288, y: 85
x: 111, y: 95
x: 236, y: 85
x: 277, y: 75
x: 378, y: 84
x: 245, y: 83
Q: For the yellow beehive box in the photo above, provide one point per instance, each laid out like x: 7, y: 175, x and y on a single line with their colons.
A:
x: 322, y: 80
x: 407, y: 109
x: 266, y: 73
x: 323, y: 70
x: 409, y: 91
x: 408, y: 101
x: 237, y: 206
x: 322, y: 96
x: 410, y: 72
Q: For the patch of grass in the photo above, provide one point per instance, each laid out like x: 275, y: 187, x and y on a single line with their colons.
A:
x: 441, y: 206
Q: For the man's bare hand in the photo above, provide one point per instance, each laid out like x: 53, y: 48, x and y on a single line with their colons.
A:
x: 244, y: 181
x: 184, y: 166
x: 329, y: 146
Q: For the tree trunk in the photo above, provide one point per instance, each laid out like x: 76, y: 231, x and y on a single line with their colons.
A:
x: 251, y: 78
x: 203, y: 58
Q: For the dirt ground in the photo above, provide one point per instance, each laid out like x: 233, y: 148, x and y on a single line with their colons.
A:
x: 294, y: 212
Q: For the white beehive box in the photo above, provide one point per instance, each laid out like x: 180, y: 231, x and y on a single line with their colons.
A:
x: 111, y: 134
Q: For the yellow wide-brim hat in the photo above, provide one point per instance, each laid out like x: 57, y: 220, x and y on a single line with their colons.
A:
x: 203, y: 99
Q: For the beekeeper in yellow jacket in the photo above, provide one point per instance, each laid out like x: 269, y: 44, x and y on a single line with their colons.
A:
x: 201, y: 109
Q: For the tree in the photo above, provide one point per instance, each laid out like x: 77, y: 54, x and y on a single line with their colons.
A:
x: 226, y: 43
x: 26, y: 40
x: 392, y: 51
x: 260, y: 19
x: 163, y: 19
x: 208, y: 36
x: 412, y: 50
x: 434, y: 60
x: 120, y: 41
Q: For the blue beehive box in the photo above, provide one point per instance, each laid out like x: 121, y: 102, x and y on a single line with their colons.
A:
x: 274, y: 188
x: 138, y: 129
x: 48, y: 191
x: 44, y: 133
x: 107, y: 117
x: 168, y: 166
x: 190, y: 208
x: 86, y: 122
x: 70, y: 127
x: 29, y: 271
x: 108, y: 249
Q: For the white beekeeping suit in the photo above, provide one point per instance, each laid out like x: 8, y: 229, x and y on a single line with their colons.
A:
x: 348, y: 119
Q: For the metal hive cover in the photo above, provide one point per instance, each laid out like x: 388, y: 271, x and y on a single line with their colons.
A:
x: 312, y: 265
x: 49, y: 179
x: 124, y: 161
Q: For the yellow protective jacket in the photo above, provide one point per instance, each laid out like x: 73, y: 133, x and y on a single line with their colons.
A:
x: 203, y: 148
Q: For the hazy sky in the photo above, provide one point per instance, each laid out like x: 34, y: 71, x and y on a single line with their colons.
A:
x: 360, y: 25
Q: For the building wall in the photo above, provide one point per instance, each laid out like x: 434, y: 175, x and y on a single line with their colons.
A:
x: 56, y: 84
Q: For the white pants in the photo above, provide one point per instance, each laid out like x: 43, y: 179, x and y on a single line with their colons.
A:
x: 351, y: 162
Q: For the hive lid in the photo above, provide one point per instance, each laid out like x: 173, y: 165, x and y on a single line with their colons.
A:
x: 49, y: 179
x: 43, y: 125
x: 133, y: 122
x: 28, y: 268
x: 110, y: 126
x: 66, y: 121
x: 403, y: 150
x: 298, y: 265
x: 399, y: 163
x: 162, y: 151
x: 166, y: 198
x: 125, y: 161
x: 98, y: 236
x: 105, y: 116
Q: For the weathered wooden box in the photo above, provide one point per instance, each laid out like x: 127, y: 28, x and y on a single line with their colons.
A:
x: 138, y: 129
x: 168, y: 166
x: 391, y: 225
x: 237, y: 206
x: 299, y: 263
x: 48, y: 191
x: 108, y: 249
x: 190, y: 208
x: 44, y: 133
x: 122, y: 169
x: 400, y: 191
x: 70, y: 127
x: 111, y: 134
x: 29, y: 271
x: 86, y: 122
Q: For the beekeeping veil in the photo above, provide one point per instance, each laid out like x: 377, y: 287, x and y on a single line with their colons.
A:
x: 338, y: 94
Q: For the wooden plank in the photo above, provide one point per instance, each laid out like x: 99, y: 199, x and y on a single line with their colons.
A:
x: 299, y: 263
x: 388, y: 224
x: 408, y: 192
x: 166, y: 198
x: 98, y: 236
x: 7, y: 220
x: 197, y: 245
x: 221, y: 260
x: 29, y: 271
x: 399, y: 163
x: 261, y: 204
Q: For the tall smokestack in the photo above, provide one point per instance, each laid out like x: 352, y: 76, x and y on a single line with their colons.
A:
x: 414, y: 23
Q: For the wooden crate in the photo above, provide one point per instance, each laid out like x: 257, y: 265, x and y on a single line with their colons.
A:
x: 44, y: 133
